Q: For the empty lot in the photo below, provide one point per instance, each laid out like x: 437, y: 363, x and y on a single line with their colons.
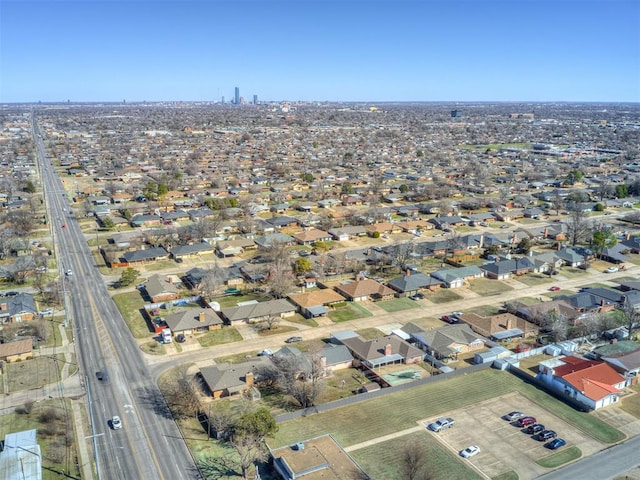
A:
x: 504, y: 447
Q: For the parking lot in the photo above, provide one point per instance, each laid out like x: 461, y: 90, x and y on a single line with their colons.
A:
x: 504, y: 447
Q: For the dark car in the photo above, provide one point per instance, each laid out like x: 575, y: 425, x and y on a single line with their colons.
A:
x: 180, y: 338
x: 102, y: 375
x: 526, y: 421
x: 555, y: 443
x: 546, y: 435
x: 293, y: 340
x: 534, y: 429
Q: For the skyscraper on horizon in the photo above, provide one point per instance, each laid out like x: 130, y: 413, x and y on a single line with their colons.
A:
x: 236, y: 98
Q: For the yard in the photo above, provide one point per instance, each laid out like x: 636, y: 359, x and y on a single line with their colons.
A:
x: 535, y: 279
x: 33, y: 373
x: 349, y: 311
x: 397, y: 305
x: 130, y: 305
x: 443, y: 295
x: 218, y: 337
x: 486, y: 287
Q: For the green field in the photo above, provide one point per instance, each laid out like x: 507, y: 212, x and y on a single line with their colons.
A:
x: 486, y: 286
x: 350, y: 311
x: 218, y: 337
x: 397, y: 304
x: 560, y: 458
x: 400, y: 411
x: 130, y: 304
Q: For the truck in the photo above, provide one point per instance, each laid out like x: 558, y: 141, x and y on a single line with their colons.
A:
x: 166, y: 335
x: 442, y: 424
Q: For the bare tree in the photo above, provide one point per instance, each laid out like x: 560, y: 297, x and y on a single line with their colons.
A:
x: 631, y: 316
x: 301, y: 376
x: 556, y: 324
x: 578, y: 223
x: 414, y: 458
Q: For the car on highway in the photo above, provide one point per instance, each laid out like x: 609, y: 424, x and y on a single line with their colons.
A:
x: 555, y: 288
x: 526, y: 421
x: 102, y: 375
x: 68, y: 273
x: 470, y: 451
x: 611, y: 270
x: 64, y: 225
x: 442, y: 423
x: 293, y: 339
x: 513, y: 416
x: 116, y: 423
x: 546, y: 435
x: 534, y: 429
x: 555, y: 443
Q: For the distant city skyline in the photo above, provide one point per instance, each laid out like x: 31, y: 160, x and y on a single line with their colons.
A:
x: 320, y: 50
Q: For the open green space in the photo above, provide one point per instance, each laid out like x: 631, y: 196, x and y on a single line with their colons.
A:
x: 443, y: 295
x: 153, y: 348
x: 486, y: 286
x: 631, y: 403
x: 560, y: 458
x: 130, y: 305
x: 51, y: 419
x: 218, y: 337
x: 349, y: 311
x: 535, y: 279
x: 506, y: 476
x: 397, y: 304
x: 399, y: 411
x: 384, y: 460
x: 33, y: 373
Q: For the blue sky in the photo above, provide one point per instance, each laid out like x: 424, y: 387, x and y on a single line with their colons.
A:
x: 324, y: 50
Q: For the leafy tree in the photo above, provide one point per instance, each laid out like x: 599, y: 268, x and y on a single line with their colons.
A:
x: 126, y: 214
x: 491, y: 250
x: 302, y: 265
x: 307, y: 177
x: 403, y: 188
x: 524, y: 245
x: 575, y: 176
x: 598, y: 207
x: 107, y: 223
x: 602, y: 239
x: 128, y: 277
x: 260, y: 423
x: 622, y: 191
x: 321, y: 246
x: 347, y: 188
x: 29, y: 187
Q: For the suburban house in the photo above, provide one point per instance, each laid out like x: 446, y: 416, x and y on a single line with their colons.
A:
x: 311, y: 236
x: 224, y: 380
x: 335, y: 357
x: 535, y: 313
x: 455, y: 277
x: 197, y: 277
x: 365, y: 289
x: 445, y: 343
x: 411, y: 283
x: 161, y: 288
x: 16, y: 351
x: 345, y: 233
x: 191, y: 320
x: 381, y: 351
x: 503, y: 326
x: 505, y: 267
x: 254, y: 312
x: 19, y: 308
x: 147, y: 255
x: 230, y: 248
x: 626, y: 363
x: 191, y: 251
x: 571, y: 257
x: 314, y: 303
x: 589, y: 382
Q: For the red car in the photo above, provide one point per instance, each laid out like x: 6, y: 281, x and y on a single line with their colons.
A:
x: 554, y: 288
x: 526, y: 421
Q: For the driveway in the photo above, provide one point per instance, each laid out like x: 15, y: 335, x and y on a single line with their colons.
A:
x: 504, y: 447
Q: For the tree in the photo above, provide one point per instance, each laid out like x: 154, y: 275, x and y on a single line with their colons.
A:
x: 524, y: 245
x: 413, y: 461
x: 575, y: 176
x: 601, y: 240
x: 29, y: 187
x: 107, y: 223
x: 631, y: 316
x: 556, y: 324
x: 301, y: 376
x: 128, y: 277
x: 247, y: 438
x: 578, y: 224
x: 622, y: 191
x: 302, y: 265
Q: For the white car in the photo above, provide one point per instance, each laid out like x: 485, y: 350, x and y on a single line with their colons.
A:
x: 116, y: 423
x: 470, y: 451
x: 611, y: 270
x: 68, y: 273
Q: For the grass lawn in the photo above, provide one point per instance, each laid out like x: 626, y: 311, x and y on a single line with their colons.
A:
x: 218, y: 337
x: 370, y: 333
x: 485, y: 286
x: 297, y: 318
x: 384, y: 460
x: 535, y: 279
x: 159, y: 265
x: 153, y: 348
x: 276, y: 330
x: 571, y: 272
x: 506, y: 476
x: 397, y: 304
x: 33, y: 373
x: 350, y: 311
x: 484, y: 310
x: 443, y: 295
x: 130, y: 304
x: 49, y: 418
x: 631, y: 403
x: 560, y: 458
x: 233, y: 300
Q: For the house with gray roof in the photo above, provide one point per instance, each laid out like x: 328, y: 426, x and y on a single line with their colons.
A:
x: 571, y: 257
x: 193, y: 250
x: 259, y: 311
x: 446, y: 343
x: 382, y: 351
x: 144, y: 256
x: 455, y: 277
x: 267, y: 241
x: 411, y: 283
x: 193, y: 320
x: 19, y: 308
x: 226, y: 379
x: 161, y: 288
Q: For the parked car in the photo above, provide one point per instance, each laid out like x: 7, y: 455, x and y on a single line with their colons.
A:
x: 534, y: 429
x: 265, y: 353
x: 611, y: 270
x: 442, y: 423
x: 546, y: 435
x: 448, y: 319
x: 293, y: 340
x: 555, y: 288
x: 47, y: 311
x: 470, y: 451
x: 526, y: 421
x: 513, y: 416
x: 180, y: 338
x: 116, y: 424
x: 556, y: 443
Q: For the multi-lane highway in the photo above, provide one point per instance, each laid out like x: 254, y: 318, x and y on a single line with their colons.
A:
x: 149, y: 446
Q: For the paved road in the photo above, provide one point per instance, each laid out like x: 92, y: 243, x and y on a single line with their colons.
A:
x: 604, y: 465
x: 150, y: 445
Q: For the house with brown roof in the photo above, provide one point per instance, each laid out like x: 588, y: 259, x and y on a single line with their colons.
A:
x: 192, y: 320
x: 446, y: 342
x: 161, y: 288
x: 311, y: 236
x: 382, y: 351
x: 364, y: 289
x: 255, y: 312
x: 591, y: 383
x: 224, y: 379
x: 16, y: 351
x: 314, y: 303
x: 503, y: 326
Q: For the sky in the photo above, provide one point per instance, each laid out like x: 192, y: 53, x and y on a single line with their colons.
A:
x: 320, y: 50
